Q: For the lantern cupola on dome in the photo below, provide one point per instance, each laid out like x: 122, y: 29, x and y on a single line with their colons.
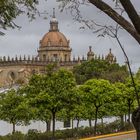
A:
x: 54, y: 22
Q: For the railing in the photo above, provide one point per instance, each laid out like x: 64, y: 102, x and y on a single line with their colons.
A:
x: 36, y: 62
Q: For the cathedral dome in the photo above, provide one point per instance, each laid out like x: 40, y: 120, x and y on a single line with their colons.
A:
x: 54, y: 46
x: 54, y: 39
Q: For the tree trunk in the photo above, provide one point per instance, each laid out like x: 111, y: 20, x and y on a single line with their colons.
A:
x: 95, y: 125
x: 53, y: 128
x: 132, y: 13
x: 125, y: 118
x: 14, y: 128
x: 116, y: 17
x: 129, y: 112
x: 122, y: 121
x: 72, y: 123
x: 48, y: 126
x: 78, y: 123
x: 102, y: 122
x: 136, y: 121
x: 90, y: 123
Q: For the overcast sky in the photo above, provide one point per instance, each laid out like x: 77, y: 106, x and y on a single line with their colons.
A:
x: 26, y: 40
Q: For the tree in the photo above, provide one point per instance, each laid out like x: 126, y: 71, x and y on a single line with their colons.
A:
x: 100, y: 69
x: 132, y: 27
x: 43, y: 114
x: 9, y: 10
x: 126, y: 98
x: 137, y: 75
x: 14, y: 109
x: 76, y: 111
x: 53, y: 92
x: 97, y: 93
x: 31, y: 91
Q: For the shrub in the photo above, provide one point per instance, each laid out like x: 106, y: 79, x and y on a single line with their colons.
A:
x: 32, y: 134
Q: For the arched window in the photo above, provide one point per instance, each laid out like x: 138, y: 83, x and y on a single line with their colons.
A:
x: 61, y: 42
x: 55, y: 57
x: 12, y: 74
x: 49, y: 42
x: 44, y: 57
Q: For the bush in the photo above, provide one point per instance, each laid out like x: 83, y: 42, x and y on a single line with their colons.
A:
x: 16, y: 136
x: 32, y: 134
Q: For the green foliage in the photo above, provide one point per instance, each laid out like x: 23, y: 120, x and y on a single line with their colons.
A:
x: 51, y: 92
x: 98, y: 94
x: 10, y: 9
x: 16, y: 136
x: 58, y: 90
x: 8, y: 105
x: 32, y: 134
x: 100, y: 69
x: 56, y: 96
x: 76, y: 110
x: 14, y: 109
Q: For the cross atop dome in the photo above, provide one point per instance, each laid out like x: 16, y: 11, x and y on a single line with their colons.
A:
x: 53, y: 12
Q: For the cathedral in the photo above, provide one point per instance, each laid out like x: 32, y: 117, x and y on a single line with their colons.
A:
x: 54, y: 47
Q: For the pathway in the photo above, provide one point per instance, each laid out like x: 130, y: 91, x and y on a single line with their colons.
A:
x: 121, y: 137
x: 128, y: 135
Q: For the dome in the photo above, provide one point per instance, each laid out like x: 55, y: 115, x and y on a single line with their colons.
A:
x: 54, y: 39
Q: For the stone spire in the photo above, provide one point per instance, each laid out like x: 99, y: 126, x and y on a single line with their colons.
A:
x: 90, y: 54
x: 110, y: 57
x: 54, y: 13
x: 53, y: 23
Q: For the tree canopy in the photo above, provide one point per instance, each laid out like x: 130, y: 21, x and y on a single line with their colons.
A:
x: 52, y: 92
x: 98, y: 93
x: 14, y: 109
x: 10, y: 9
x: 100, y: 69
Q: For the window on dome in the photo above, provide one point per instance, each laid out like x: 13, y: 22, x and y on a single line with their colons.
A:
x: 49, y: 43
x: 61, y: 43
